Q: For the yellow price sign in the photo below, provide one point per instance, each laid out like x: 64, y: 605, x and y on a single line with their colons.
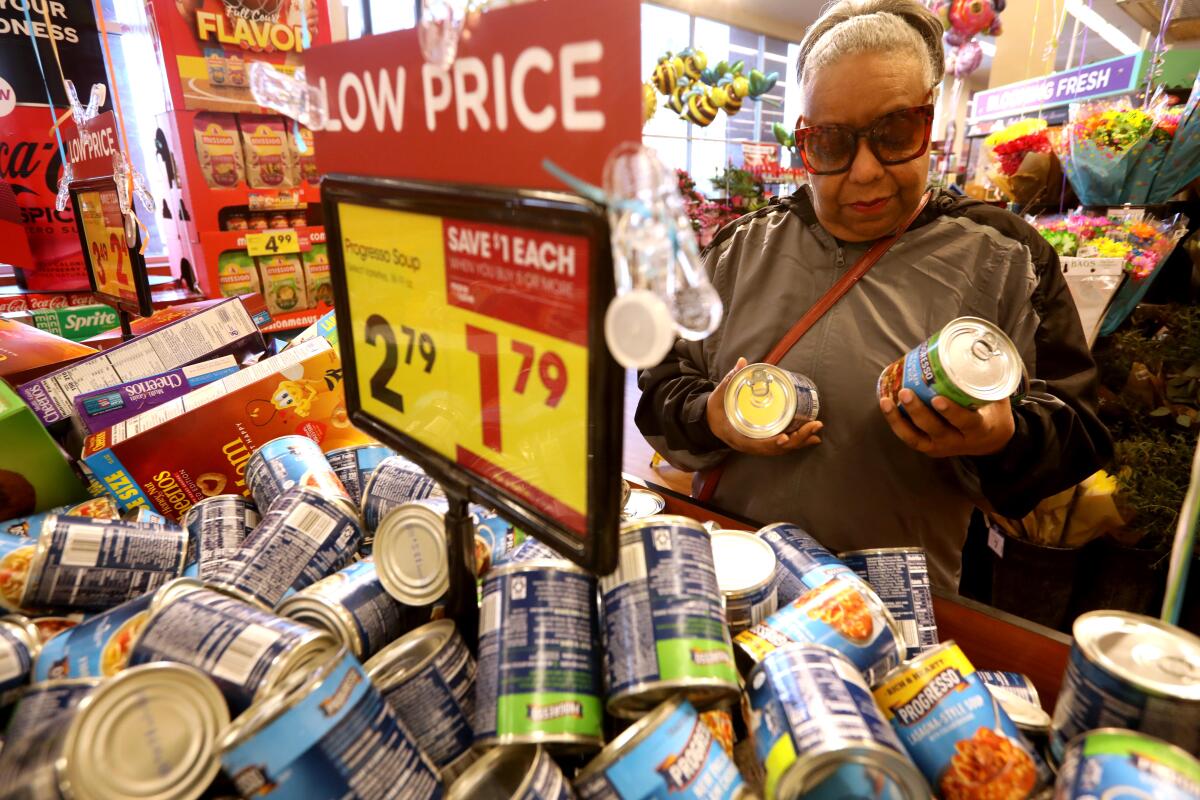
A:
x: 116, y: 269
x: 474, y: 339
x: 272, y: 243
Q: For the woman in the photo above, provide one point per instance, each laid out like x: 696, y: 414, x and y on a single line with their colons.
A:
x: 865, y: 475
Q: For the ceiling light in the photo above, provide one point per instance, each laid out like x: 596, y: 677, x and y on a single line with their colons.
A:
x: 1105, y: 29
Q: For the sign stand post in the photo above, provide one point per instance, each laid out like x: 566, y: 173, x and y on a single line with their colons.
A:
x: 462, y: 604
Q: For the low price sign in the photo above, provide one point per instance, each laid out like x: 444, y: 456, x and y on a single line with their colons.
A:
x: 476, y: 344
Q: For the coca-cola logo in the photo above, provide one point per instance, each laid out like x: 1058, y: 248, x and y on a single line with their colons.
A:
x: 23, y: 160
x: 11, y: 304
x: 47, y: 302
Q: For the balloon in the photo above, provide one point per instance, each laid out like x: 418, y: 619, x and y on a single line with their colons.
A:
x: 700, y: 108
x: 783, y: 135
x: 664, y: 76
x: 941, y: 10
x: 970, y: 17
x: 964, y: 60
x: 649, y: 102
x: 675, y: 101
x: 955, y: 38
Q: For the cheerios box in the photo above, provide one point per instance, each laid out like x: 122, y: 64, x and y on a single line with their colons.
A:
x: 34, y: 474
x: 197, y: 445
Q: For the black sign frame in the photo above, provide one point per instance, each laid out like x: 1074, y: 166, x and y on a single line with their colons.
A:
x: 551, y: 212
x: 143, y: 306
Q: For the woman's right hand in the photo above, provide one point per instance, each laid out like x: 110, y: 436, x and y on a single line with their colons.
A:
x: 805, y: 436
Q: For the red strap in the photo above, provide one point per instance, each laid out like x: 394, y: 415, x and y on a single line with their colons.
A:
x: 708, y: 486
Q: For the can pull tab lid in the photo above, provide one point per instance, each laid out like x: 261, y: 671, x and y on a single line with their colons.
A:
x: 760, y: 388
x: 985, y: 348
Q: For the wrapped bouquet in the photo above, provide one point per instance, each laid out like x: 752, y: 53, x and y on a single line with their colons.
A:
x: 1021, y: 159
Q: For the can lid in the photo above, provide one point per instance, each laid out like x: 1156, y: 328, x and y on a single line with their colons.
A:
x: 807, y: 774
x: 1024, y: 714
x: 410, y: 554
x: 979, y: 359
x: 410, y: 653
x: 760, y: 401
x: 642, y: 503
x: 1152, y: 655
x: 320, y: 613
x: 639, y: 329
x: 149, y: 732
x: 171, y: 591
x: 505, y: 769
x: 314, y: 648
x: 631, y: 737
x: 743, y: 561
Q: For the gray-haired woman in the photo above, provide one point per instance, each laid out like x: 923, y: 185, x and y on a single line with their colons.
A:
x: 867, y: 476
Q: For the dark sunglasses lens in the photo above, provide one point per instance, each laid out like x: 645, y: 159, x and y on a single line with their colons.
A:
x: 828, y: 149
x: 899, y: 136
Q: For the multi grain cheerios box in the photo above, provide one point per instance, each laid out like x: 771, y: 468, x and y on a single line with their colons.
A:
x: 197, y: 446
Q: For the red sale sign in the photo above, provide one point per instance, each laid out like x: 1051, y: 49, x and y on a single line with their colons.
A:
x: 91, y: 146
x: 546, y: 80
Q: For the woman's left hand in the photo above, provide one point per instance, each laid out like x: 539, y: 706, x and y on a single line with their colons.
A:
x: 952, y: 430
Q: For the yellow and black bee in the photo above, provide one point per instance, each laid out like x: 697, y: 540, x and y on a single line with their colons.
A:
x: 664, y: 76
x: 676, y: 102
x: 694, y: 63
x: 700, y: 108
x: 733, y: 104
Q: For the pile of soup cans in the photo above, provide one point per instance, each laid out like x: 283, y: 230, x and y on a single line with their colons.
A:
x: 292, y: 644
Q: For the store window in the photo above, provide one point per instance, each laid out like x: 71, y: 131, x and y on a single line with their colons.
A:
x: 705, y: 151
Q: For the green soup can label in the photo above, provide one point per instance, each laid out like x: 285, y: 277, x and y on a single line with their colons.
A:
x: 538, y: 676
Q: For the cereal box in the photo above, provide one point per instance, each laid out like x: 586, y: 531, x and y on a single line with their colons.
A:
x: 325, y: 327
x: 218, y: 149
x: 306, y: 160
x: 316, y: 276
x: 214, y: 430
x: 237, y: 274
x: 268, y: 157
x: 283, y: 283
x: 224, y: 329
x: 27, y: 352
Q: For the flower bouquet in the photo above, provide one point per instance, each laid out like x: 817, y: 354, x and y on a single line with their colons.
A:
x: 1102, y: 143
x: 1021, y: 159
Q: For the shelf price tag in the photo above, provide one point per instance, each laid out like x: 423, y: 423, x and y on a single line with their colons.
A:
x: 116, y: 269
x: 272, y: 243
x: 472, y: 338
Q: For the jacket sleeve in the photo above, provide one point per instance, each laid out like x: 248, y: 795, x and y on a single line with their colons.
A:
x: 1059, y: 440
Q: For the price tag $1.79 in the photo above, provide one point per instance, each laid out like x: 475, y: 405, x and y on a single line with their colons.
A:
x: 272, y: 243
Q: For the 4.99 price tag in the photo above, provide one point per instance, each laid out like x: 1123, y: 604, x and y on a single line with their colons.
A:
x: 472, y: 339
x: 272, y: 243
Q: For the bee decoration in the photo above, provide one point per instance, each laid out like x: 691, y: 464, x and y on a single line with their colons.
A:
x: 700, y: 107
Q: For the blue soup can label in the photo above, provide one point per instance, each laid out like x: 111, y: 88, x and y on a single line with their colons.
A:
x: 670, y: 753
x: 1013, y: 683
x: 304, y: 537
x: 354, y: 465
x: 96, y: 648
x: 234, y: 643
x: 290, y: 461
x: 336, y: 738
x: 356, y: 597
x: 395, y: 481
x: 45, y: 704
x: 538, y: 679
x: 808, y: 703
x: 217, y: 527
x: 956, y: 732
x: 664, y: 622
x: 803, y: 562
x: 16, y: 557
x: 16, y: 660
x: 1117, y: 764
x: 843, y: 614
x: 96, y: 564
x: 900, y: 576
x: 500, y: 539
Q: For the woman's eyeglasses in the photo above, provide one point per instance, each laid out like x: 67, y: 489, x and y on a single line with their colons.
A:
x: 894, y: 139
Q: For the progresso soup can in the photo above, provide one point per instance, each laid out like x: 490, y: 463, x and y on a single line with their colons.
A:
x: 217, y: 526
x: 495, y: 538
x: 969, y: 361
x: 327, y: 733
x: 642, y: 503
x: 19, y: 646
x: 803, y: 562
x: 354, y: 465
x: 44, y: 702
x: 538, y: 680
x: 95, y: 648
x: 517, y: 772
x: 1129, y: 671
x: 1019, y: 698
x: 353, y: 606
x: 745, y: 568
x: 960, y: 737
x: 669, y: 752
x: 763, y: 401
x: 428, y: 680
x: 16, y: 556
x: 844, y: 614
x: 246, y: 649
x: 900, y: 576
x: 148, y: 732
x: 410, y: 552
x: 304, y: 537
x: 94, y: 564
x: 664, y: 625
x: 395, y: 481
x: 290, y: 461
x: 819, y: 734
x: 1115, y: 764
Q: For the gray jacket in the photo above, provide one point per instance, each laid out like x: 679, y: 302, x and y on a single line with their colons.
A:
x: 863, y: 487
